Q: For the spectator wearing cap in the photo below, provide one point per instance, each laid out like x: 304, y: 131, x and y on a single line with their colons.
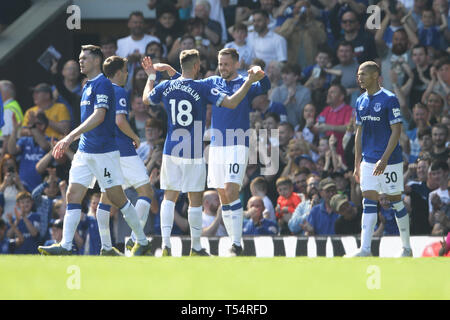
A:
x: 322, y: 216
x: 30, y: 148
x: 349, y: 221
x: 333, y: 120
x: 56, y: 228
x: 57, y: 114
x: 257, y: 224
x: 10, y: 108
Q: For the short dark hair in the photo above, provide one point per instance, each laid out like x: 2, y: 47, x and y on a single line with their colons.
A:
x: 108, y: 40
x: 112, y: 65
x: 136, y: 14
x: 152, y: 43
x: 423, y: 132
x: 95, y: 51
x: 230, y: 51
x: 294, y: 68
x: 287, y: 124
x: 420, y: 46
x: 240, y: 26
x: 261, y: 12
x: 439, y: 164
x: 345, y: 43
x: 341, y: 88
x: 274, y: 115
x: 442, y: 61
x: 302, y: 170
x: 154, y: 123
x: 442, y: 127
x: 259, y: 62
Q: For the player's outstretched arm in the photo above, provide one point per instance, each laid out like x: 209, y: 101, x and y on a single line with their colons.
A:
x: 95, y: 119
x: 161, y: 67
x: 254, y: 74
x: 147, y: 65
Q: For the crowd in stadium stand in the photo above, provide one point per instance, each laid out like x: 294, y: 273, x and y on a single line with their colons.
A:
x: 310, y: 50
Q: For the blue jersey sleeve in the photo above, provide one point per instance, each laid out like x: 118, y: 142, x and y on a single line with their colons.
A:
x: 394, y: 114
x: 122, y: 104
x: 2, y: 121
x: 155, y: 95
x: 259, y: 88
x: 212, y: 93
x: 104, y: 95
x: 358, y: 117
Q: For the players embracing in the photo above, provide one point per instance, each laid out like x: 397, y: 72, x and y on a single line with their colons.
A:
x: 183, y: 166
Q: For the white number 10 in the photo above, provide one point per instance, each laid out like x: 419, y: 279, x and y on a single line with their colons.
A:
x: 184, y: 117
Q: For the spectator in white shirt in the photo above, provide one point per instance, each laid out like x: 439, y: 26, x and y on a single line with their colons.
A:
x: 133, y: 46
x: 266, y: 44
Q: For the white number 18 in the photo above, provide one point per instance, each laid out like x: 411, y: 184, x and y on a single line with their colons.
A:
x: 183, y: 117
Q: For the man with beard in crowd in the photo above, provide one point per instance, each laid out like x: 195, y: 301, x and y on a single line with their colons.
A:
x: 298, y: 224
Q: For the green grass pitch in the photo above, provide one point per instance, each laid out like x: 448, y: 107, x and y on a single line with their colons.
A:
x: 203, y: 278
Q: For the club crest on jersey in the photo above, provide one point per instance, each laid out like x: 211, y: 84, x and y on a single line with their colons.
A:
x: 88, y: 91
x: 377, y: 107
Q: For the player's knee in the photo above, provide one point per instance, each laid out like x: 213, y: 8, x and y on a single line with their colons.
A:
x: 231, y: 192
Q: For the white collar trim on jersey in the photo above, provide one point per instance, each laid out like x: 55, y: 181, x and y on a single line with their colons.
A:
x: 238, y: 77
x: 378, y: 92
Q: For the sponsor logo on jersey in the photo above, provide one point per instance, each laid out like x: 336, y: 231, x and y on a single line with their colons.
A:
x: 33, y: 157
x: 102, y: 98
x: 370, y: 118
x: 377, y: 107
x: 396, y: 112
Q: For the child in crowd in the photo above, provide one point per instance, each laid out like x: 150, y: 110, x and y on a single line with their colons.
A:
x: 287, y: 201
x: 387, y: 225
x: 27, y: 222
x: 258, y: 188
x: 245, y: 51
x: 429, y: 33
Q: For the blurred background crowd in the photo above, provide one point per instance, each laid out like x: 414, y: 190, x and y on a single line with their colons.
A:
x: 310, y: 50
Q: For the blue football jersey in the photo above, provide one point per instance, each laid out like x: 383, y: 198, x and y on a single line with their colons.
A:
x: 185, y: 102
x: 98, y: 93
x: 2, y: 120
x: 375, y: 114
x: 124, y: 142
x: 233, y: 119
